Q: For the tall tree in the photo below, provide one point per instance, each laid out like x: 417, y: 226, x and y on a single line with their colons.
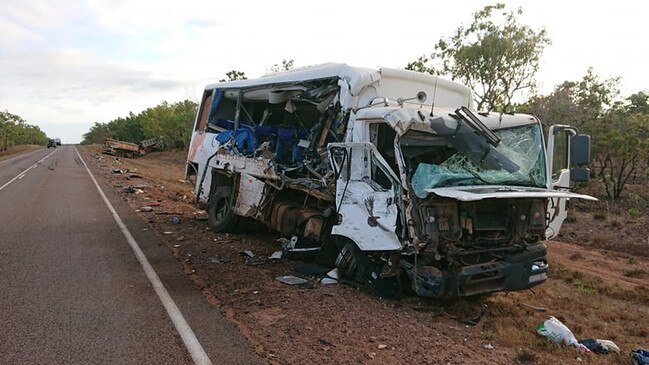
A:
x: 496, y: 56
x: 14, y: 130
x: 233, y: 75
x: 620, y: 140
x: 574, y: 102
x: 286, y: 65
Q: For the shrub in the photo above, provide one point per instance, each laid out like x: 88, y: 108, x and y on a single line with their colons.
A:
x: 633, y: 213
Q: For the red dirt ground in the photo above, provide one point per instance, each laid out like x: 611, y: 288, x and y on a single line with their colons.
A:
x: 597, y: 293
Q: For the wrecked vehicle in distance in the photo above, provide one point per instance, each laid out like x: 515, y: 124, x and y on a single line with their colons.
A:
x: 389, y: 175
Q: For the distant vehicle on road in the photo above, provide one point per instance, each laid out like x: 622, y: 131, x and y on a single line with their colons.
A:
x: 51, y: 143
x: 57, y: 141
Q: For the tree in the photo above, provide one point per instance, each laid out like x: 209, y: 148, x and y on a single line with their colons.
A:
x: 286, y: 65
x: 97, y: 134
x: 574, y: 102
x: 8, y: 124
x: 620, y: 139
x: 638, y: 103
x: 14, y: 130
x: 172, y: 123
x: 495, y: 56
x: 234, y: 75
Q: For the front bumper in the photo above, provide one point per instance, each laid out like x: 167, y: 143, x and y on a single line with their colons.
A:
x: 516, y: 271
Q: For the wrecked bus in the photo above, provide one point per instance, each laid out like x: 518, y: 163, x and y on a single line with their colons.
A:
x: 389, y: 175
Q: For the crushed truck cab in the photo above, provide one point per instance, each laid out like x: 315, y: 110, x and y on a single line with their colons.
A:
x: 387, y: 174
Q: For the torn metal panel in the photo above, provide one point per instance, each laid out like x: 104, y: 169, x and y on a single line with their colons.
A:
x: 359, y: 225
x: 249, y: 194
x: 259, y: 167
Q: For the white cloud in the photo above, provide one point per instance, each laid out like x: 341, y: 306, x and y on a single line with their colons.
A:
x: 96, y: 60
x: 12, y: 34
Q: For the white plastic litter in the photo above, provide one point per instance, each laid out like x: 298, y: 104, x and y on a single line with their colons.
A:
x: 557, y: 332
x: 334, y: 274
x: 328, y: 281
x: 609, y: 346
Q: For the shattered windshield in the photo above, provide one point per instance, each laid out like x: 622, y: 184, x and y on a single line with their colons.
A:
x: 432, y: 163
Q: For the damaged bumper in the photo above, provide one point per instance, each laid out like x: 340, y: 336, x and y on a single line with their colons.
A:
x: 517, y: 271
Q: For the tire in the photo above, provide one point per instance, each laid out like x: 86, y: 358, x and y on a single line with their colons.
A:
x: 355, y: 265
x: 220, y: 215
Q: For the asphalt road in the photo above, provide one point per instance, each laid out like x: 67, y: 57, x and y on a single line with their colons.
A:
x: 72, y: 288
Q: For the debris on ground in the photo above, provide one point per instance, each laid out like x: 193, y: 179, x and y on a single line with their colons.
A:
x: 175, y: 220
x: 600, y: 346
x: 538, y: 309
x: 128, y: 189
x: 166, y: 233
x: 291, y: 280
x: 248, y: 253
x: 558, y: 333
x: 146, y: 208
x: 328, y: 281
x: 640, y: 357
x: 218, y: 260
x: 277, y: 255
x: 473, y: 321
x: 334, y: 274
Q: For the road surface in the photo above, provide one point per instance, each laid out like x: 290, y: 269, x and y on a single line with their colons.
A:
x: 74, y: 290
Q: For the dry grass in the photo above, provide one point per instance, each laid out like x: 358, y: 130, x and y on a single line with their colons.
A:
x: 588, y: 306
x: 18, y: 149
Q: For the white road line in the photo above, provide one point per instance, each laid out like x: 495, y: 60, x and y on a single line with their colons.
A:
x: 22, y: 174
x: 186, y: 333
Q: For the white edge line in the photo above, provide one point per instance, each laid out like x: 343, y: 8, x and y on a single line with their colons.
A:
x: 22, y: 174
x: 186, y: 333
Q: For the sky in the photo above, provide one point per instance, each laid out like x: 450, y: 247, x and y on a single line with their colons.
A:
x: 65, y: 65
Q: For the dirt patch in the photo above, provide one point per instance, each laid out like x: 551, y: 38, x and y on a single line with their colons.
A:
x: 598, y: 293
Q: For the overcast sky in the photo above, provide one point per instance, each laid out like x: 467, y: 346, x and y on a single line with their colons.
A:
x: 67, y: 64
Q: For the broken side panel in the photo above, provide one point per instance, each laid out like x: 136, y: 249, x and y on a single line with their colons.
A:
x: 365, y: 196
x: 367, y: 216
x: 248, y: 196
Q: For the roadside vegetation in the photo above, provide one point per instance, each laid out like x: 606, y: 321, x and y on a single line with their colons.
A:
x: 15, y: 131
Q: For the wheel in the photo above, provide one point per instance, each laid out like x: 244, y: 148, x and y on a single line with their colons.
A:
x: 356, y: 265
x: 220, y: 215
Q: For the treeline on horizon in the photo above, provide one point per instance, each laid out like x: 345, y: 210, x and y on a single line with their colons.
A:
x: 170, y: 122
x: 15, y: 131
